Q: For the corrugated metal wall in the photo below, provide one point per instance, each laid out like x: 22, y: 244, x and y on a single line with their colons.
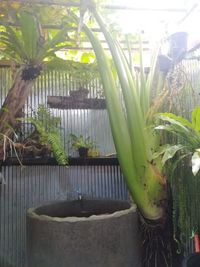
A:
x: 93, y: 123
x: 33, y: 185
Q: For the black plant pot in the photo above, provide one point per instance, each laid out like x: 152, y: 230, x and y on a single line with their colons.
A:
x: 178, y: 46
x: 83, y: 152
x: 164, y: 63
x: 192, y: 261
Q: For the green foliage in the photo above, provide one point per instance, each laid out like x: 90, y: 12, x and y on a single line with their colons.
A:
x: 28, y: 43
x: 81, y: 73
x: 167, y: 152
x: 80, y: 141
x: 134, y: 137
x: 196, y: 119
x: 188, y: 134
x: 47, y: 126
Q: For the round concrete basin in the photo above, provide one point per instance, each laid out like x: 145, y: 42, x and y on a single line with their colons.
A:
x: 83, y: 233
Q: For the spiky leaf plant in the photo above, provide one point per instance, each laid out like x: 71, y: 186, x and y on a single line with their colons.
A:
x: 136, y: 141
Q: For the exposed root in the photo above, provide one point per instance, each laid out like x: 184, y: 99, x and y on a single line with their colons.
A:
x: 156, y: 241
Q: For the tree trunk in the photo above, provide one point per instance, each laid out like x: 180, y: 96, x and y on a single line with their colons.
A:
x: 12, y: 108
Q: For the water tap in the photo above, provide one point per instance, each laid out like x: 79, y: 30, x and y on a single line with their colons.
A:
x: 80, y: 197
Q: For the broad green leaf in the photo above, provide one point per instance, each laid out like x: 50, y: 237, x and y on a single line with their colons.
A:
x: 182, y: 128
x: 160, y: 151
x: 175, y: 129
x: 170, y: 152
x: 178, y: 119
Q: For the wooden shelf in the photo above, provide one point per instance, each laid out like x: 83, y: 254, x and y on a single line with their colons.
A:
x: 89, y: 161
x: 68, y: 102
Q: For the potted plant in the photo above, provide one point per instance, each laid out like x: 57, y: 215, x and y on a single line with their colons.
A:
x: 79, y: 94
x: 82, y: 74
x: 81, y: 144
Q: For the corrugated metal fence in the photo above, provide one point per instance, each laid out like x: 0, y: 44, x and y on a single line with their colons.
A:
x: 26, y: 187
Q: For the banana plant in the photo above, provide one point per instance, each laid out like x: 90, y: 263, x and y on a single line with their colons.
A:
x: 188, y: 134
x: 29, y: 48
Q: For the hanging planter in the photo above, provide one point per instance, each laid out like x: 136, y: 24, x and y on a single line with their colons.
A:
x: 164, y: 63
x: 84, y: 233
x: 178, y: 46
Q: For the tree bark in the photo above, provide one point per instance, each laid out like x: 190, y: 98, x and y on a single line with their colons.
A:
x: 12, y: 108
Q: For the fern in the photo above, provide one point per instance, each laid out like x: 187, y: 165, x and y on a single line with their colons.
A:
x: 46, y: 125
x: 58, y: 148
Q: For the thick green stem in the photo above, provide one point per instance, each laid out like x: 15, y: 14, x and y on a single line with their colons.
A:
x: 147, y: 190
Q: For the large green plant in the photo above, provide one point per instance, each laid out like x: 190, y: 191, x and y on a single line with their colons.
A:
x: 134, y: 136
x: 137, y: 144
x: 30, y: 48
